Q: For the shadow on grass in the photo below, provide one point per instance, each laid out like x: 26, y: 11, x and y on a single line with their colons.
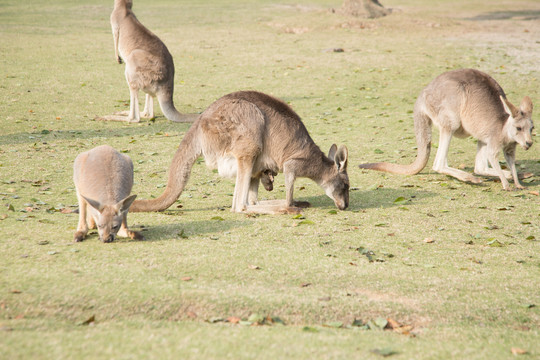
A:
x: 184, y: 230
x: 368, y: 199
x: 507, y: 15
x: 127, y: 130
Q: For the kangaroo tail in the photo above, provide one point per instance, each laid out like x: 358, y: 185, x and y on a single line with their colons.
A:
x: 186, y: 155
x: 167, y: 106
x: 422, y: 127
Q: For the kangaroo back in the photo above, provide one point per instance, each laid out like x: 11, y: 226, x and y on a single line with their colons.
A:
x: 103, y: 179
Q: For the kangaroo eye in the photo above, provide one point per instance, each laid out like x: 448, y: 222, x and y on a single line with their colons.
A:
x: 518, y: 128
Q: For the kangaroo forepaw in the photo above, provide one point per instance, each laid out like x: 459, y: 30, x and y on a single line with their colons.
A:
x: 301, y: 204
x: 79, y: 236
x: 135, y: 235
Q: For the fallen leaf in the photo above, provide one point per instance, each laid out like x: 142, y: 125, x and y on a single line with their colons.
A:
x: 392, y: 324
x: 306, y: 222
x: 233, y: 320
x: 217, y: 218
x: 429, y: 240
x: 215, y: 320
x: 186, y: 278
x: 400, y: 200
x: 384, y: 352
x: 310, y: 329
x: 256, y: 319
x: 254, y: 267
x: 90, y: 320
x: 334, y: 324
x: 66, y: 211
x: 495, y: 243
x: 530, y: 238
x: 15, y: 291
x: 3, y: 216
x: 305, y: 285
x: 191, y: 315
x: 518, y: 351
x: 535, y: 193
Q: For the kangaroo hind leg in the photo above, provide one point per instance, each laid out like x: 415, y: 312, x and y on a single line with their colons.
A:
x: 243, y: 184
x: 440, y: 164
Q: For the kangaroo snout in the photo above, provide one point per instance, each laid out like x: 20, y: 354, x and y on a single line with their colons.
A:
x: 341, y: 205
x: 528, y: 144
x: 108, y: 239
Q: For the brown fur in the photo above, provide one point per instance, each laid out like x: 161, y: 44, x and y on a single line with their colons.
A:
x: 464, y: 103
x: 103, y: 179
x: 149, y: 66
x: 244, y: 134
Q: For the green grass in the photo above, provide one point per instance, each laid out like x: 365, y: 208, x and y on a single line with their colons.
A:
x: 166, y: 297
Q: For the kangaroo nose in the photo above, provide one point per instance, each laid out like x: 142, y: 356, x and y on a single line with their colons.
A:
x: 109, y: 239
x: 529, y: 144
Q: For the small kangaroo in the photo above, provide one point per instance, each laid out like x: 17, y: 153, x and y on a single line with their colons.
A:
x: 463, y: 103
x: 244, y: 134
x: 149, y: 66
x: 267, y: 179
x: 103, y: 179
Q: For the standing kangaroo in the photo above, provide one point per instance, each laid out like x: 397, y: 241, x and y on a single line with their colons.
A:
x: 103, y: 179
x: 463, y: 103
x: 149, y: 66
x: 244, y: 134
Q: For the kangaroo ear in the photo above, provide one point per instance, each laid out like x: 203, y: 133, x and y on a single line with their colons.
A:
x: 509, y: 108
x: 95, y: 204
x: 526, y: 105
x: 332, y: 152
x: 342, y: 157
x: 123, y: 205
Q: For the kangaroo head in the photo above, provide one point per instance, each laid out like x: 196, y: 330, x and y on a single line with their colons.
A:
x: 336, y: 185
x: 520, y: 124
x: 109, y: 218
x: 267, y: 179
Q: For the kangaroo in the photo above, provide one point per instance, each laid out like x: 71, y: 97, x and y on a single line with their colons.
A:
x: 103, y: 179
x: 463, y: 103
x: 267, y: 179
x: 244, y: 134
x: 149, y: 66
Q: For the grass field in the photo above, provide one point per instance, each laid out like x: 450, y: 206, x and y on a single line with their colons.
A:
x: 453, y: 267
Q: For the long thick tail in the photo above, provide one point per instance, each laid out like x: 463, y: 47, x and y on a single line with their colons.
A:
x: 186, y: 155
x: 167, y: 107
x: 422, y: 127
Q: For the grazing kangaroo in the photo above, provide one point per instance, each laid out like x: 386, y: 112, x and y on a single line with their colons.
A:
x: 244, y: 134
x: 463, y: 103
x: 103, y: 179
x: 149, y: 66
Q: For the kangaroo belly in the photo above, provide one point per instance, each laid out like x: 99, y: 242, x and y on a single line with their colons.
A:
x: 227, y: 166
